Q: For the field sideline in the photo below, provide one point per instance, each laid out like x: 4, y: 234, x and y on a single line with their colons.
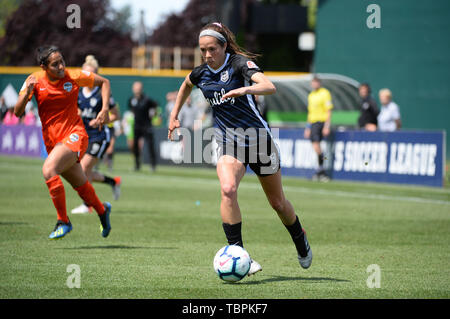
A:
x: 166, y: 230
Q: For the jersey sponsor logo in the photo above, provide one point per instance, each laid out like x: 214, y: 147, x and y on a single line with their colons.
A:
x: 88, y: 113
x: 251, y: 65
x: 74, y: 137
x: 67, y: 86
x: 217, y: 99
x: 224, y: 76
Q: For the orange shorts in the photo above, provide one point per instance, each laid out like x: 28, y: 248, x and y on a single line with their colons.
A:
x: 77, y: 141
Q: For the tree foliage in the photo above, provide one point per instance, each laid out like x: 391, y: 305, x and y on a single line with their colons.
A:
x: 182, y: 29
x: 7, y: 7
x: 37, y: 23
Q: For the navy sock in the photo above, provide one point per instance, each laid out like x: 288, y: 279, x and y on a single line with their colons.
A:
x: 298, y: 237
x: 233, y: 233
x: 109, y: 181
x: 320, y: 159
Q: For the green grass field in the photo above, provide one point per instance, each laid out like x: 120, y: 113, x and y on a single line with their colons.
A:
x: 167, y: 229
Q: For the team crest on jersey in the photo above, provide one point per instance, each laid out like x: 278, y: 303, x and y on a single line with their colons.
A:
x: 67, y: 86
x: 74, y: 137
x: 93, y: 102
x: 224, y: 76
x: 251, y: 65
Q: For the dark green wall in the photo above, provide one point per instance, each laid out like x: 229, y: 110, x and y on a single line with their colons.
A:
x: 154, y: 87
x: 409, y: 54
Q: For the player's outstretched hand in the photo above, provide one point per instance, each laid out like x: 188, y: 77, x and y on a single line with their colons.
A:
x: 234, y: 93
x: 31, y: 82
x: 101, y: 119
x: 173, y: 124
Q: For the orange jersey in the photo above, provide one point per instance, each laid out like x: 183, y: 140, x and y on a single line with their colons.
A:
x: 57, y: 103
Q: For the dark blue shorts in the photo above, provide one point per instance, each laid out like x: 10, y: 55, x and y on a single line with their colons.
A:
x: 263, y: 158
x: 97, y: 148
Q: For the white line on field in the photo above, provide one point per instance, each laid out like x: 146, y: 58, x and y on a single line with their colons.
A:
x: 208, y: 182
x: 205, y: 181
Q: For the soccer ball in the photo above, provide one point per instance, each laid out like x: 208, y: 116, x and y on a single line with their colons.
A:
x: 232, y: 263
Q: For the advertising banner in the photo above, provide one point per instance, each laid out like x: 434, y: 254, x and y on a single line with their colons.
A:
x: 395, y: 157
x: 406, y: 157
x: 21, y: 140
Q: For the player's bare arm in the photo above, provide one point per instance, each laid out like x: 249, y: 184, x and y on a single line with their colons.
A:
x: 21, y: 103
x: 102, y: 116
x: 326, y: 126
x: 262, y: 86
x: 183, y: 93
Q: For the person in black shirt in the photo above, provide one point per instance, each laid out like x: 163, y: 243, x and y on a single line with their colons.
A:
x: 143, y: 109
x: 369, y: 110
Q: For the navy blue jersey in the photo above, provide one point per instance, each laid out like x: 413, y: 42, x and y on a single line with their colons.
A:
x: 90, y: 106
x: 239, y: 113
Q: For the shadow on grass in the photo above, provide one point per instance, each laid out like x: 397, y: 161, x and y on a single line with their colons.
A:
x: 285, y: 278
x: 116, y: 247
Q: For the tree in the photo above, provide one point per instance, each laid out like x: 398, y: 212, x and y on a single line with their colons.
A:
x: 181, y: 29
x: 37, y: 23
x: 8, y: 7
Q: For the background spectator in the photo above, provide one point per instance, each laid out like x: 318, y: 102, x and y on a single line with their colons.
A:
x: 10, y: 118
x: 143, y: 109
x: 204, y: 109
x: 30, y: 117
x: 3, y: 108
x: 170, y: 102
x: 319, y: 121
x: 368, y: 108
x: 188, y: 114
x: 389, y: 117
x: 127, y: 124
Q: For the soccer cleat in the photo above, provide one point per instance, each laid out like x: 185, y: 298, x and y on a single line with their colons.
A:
x: 324, y: 178
x: 105, y: 226
x: 82, y: 209
x: 116, y: 187
x: 306, y: 261
x: 61, y: 230
x: 254, y: 268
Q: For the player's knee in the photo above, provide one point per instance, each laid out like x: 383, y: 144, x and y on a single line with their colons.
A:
x: 229, y: 190
x: 278, y: 204
x: 48, y: 171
